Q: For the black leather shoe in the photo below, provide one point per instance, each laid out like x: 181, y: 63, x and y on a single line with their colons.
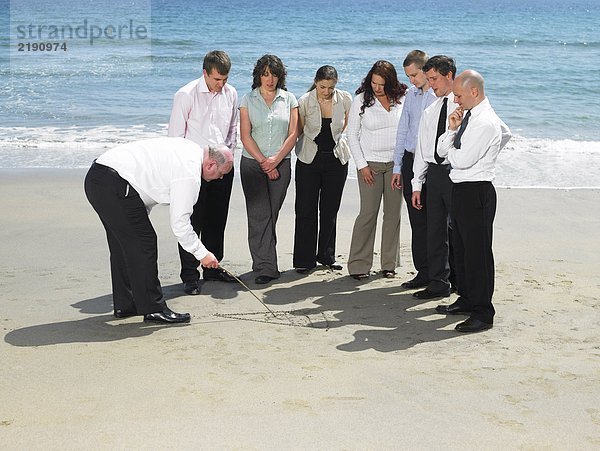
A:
x: 124, y: 313
x: 261, y: 280
x: 473, y: 325
x: 191, y: 288
x: 456, y: 308
x: 332, y: 266
x: 218, y: 275
x: 303, y: 270
x: 415, y: 283
x: 427, y: 294
x: 167, y: 316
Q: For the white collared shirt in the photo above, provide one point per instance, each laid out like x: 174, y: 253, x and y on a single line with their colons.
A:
x: 205, y: 117
x: 424, y: 152
x: 372, y: 135
x: 165, y: 171
x: 483, y: 138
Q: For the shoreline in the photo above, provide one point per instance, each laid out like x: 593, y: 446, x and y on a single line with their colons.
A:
x: 367, y: 366
x: 351, y: 178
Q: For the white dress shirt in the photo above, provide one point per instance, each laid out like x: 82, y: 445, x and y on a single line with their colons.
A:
x: 165, y: 171
x: 483, y: 138
x: 205, y: 117
x: 372, y: 135
x: 424, y: 152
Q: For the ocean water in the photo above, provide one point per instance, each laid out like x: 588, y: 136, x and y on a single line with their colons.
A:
x: 124, y: 61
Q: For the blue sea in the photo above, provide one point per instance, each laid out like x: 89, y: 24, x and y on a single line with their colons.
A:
x: 80, y: 77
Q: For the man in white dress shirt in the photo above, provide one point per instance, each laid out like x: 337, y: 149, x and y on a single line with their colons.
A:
x: 123, y: 185
x: 472, y: 143
x: 206, y: 112
x: 430, y: 167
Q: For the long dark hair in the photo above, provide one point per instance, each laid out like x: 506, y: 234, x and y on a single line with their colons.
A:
x: 394, y: 90
x: 274, y: 64
x: 324, y: 73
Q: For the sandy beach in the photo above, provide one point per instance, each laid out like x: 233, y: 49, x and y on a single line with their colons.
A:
x: 342, y: 364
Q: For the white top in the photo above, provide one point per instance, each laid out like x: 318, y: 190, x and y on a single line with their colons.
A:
x: 164, y: 171
x: 424, y: 152
x: 310, y: 113
x: 483, y: 138
x: 205, y: 117
x: 372, y: 136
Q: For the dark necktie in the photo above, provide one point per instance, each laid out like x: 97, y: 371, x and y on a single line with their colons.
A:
x: 441, y: 128
x: 461, y: 130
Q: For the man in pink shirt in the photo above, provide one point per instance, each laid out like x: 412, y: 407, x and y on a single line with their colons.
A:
x: 205, y: 111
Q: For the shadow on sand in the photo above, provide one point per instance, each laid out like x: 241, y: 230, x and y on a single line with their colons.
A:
x: 386, y: 318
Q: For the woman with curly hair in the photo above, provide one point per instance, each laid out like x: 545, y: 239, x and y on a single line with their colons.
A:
x: 268, y: 129
x: 372, y: 125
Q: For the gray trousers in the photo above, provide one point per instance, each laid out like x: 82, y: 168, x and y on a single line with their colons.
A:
x: 360, y: 259
x: 264, y: 199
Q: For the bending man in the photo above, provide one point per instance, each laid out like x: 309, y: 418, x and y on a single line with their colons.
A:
x: 123, y: 185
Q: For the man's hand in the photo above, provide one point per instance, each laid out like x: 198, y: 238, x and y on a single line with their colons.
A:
x: 416, y: 200
x: 455, y: 118
x: 210, y: 261
x: 368, y: 175
x: 396, y: 181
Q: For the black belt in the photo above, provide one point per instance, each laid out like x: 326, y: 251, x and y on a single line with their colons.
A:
x: 101, y: 167
x: 441, y: 165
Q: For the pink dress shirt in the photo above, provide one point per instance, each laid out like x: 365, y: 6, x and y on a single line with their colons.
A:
x: 205, y: 117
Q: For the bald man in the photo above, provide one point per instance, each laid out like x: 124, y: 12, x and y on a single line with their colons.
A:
x: 472, y: 143
x: 123, y: 185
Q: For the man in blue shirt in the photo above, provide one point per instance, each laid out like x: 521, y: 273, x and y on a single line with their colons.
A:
x: 418, y: 97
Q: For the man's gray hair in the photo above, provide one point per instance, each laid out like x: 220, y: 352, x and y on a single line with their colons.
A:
x: 216, y: 153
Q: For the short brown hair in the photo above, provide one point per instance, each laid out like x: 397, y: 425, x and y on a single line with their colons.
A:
x: 217, y: 59
x: 416, y: 57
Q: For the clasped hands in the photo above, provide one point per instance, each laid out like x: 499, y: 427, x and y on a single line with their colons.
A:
x: 269, y: 167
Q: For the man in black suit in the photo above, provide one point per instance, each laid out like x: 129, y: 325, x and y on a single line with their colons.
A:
x: 472, y: 143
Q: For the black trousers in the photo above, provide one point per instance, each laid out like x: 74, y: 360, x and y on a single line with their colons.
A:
x: 319, y: 188
x: 473, y: 212
x: 417, y: 218
x: 440, y: 258
x: 208, y: 220
x: 131, y: 239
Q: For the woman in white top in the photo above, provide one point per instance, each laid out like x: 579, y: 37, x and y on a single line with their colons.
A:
x: 321, y: 170
x: 372, y: 127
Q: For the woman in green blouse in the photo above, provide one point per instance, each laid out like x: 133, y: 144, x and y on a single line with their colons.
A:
x: 268, y: 128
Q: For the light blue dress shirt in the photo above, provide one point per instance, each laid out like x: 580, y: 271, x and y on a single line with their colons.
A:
x: 270, y: 125
x: 415, y: 101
